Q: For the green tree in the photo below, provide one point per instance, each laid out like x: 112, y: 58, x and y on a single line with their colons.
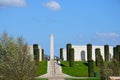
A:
x: 108, y: 69
x: 118, y: 53
x: 89, y: 51
x: 97, y: 53
x: 68, y: 46
x: 112, y: 69
x: 114, y: 53
x: 15, y: 59
x: 115, y: 67
x: 61, y: 53
x: 90, y: 68
x: 106, y: 52
x: 36, y: 52
x: 102, y: 67
x: 71, y: 57
x: 43, y: 54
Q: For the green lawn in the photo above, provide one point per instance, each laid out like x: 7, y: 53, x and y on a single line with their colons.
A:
x: 80, y: 69
x: 85, y: 79
x: 41, y: 68
x: 41, y: 79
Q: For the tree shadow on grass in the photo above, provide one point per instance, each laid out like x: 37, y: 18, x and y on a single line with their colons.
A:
x: 62, y: 65
x: 85, y: 63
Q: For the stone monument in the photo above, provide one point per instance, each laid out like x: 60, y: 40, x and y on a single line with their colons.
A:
x: 51, y: 47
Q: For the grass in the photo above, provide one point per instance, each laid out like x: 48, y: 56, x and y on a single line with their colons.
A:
x: 41, y: 79
x: 85, y: 79
x: 80, y: 69
x: 41, y: 68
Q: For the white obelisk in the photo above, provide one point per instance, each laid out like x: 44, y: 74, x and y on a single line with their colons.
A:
x: 51, y: 47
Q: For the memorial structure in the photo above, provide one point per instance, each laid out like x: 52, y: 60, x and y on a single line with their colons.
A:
x: 51, y: 47
x: 80, y: 52
x: 31, y: 52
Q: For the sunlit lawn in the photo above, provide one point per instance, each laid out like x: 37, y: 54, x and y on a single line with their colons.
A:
x: 86, y: 79
x: 80, y: 69
x: 41, y: 68
x: 41, y: 79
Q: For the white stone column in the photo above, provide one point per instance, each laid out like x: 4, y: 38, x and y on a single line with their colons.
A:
x: 51, y: 47
x: 40, y: 54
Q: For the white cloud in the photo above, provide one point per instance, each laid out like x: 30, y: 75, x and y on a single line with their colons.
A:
x: 53, y: 5
x: 108, y: 34
x: 16, y: 3
x: 107, y: 38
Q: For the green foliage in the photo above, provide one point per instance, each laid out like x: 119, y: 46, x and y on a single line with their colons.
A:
x: 61, y: 53
x: 71, y: 57
x: 35, y: 46
x: 15, y: 59
x: 112, y: 68
x: 102, y: 67
x: 36, y: 52
x: 41, y: 79
x: 90, y: 61
x: 36, y: 55
x: 106, y: 52
x: 68, y: 52
x: 89, y: 51
x: 118, y: 53
x: 90, y: 68
x: 84, y: 79
x: 97, y: 52
x: 43, y: 54
x: 41, y: 68
x: 108, y: 69
x: 115, y: 53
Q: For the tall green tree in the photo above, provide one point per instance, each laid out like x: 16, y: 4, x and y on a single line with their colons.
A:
x: 61, y: 53
x: 102, y: 67
x: 36, y: 52
x: 43, y: 57
x: 106, y: 52
x: 118, y: 53
x: 97, y: 53
x: 71, y: 57
x: 15, y: 59
x: 89, y: 51
x: 114, y: 53
x: 90, y: 68
x: 68, y: 47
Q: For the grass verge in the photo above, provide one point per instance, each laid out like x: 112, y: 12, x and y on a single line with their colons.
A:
x: 85, y: 79
x: 41, y: 68
x: 41, y: 79
x: 80, y: 69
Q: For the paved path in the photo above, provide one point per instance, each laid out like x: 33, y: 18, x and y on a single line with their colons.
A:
x: 54, y: 71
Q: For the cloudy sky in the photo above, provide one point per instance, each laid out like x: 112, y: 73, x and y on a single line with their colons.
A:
x: 71, y: 21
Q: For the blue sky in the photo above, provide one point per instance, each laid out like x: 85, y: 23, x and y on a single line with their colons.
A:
x: 71, y: 21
